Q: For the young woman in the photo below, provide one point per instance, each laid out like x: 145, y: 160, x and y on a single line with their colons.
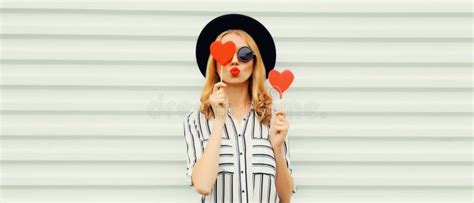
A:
x: 238, y: 152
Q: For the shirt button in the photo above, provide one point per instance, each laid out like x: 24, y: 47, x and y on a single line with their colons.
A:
x: 241, y: 153
x: 241, y: 171
x: 239, y: 135
x: 243, y: 191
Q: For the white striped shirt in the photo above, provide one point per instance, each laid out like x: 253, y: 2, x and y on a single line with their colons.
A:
x: 246, y: 162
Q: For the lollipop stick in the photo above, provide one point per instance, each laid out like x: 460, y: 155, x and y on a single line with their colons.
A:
x: 278, y: 103
x: 222, y: 68
x: 278, y: 106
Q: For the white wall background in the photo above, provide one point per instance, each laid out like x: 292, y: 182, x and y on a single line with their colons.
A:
x: 93, y: 94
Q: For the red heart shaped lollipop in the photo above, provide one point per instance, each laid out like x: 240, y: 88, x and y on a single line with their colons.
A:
x: 280, y: 81
x: 223, y: 53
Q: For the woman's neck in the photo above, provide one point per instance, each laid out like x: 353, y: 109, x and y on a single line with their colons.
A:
x: 239, y: 99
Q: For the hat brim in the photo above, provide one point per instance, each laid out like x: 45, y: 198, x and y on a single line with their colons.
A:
x: 259, y: 33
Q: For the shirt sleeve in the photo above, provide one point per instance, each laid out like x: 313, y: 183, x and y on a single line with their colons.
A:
x: 194, y: 147
x: 288, y: 162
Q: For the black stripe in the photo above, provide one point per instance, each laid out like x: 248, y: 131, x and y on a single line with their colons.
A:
x: 286, y: 153
x: 269, y: 189
x: 215, y: 192
x: 225, y: 172
x: 223, y: 187
x: 202, y: 145
x: 261, y: 188
x: 253, y: 178
x: 259, y: 145
x: 198, y: 132
x: 226, y: 164
x: 262, y: 164
x: 253, y: 124
x: 276, y: 196
x: 208, y: 128
x: 185, y: 141
x: 226, y: 132
x: 264, y: 173
x: 232, y: 188
x: 261, y: 136
x: 200, y: 125
x: 267, y: 132
x: 192, y: 137
x: 264, y: 155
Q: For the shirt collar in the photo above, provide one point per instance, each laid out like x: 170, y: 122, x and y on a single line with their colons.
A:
x: 252, y: 108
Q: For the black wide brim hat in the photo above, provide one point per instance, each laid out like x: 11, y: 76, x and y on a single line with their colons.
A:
x: 214, y: 28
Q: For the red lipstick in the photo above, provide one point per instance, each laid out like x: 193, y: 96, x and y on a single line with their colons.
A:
x: 234, y: 71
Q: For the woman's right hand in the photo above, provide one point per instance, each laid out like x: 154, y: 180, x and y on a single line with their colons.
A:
x: 219, y: 101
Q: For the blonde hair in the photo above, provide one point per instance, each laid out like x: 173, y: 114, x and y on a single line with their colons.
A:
x: 261, y: 99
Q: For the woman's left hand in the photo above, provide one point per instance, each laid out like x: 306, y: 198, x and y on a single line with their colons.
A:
x: 278, y: 129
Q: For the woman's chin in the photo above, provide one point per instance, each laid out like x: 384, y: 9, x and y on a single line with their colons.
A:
x: 236, y: 80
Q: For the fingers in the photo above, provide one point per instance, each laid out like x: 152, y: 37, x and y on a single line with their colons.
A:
x: 218, y: 86
x: 219, y: 95
x: 280, y: 122
x: 280, y: 116
x: 221, y: 100
x: 280, y: 113
x: 280, y: 119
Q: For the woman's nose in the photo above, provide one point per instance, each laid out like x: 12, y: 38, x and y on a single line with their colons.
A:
x: 235, y: 60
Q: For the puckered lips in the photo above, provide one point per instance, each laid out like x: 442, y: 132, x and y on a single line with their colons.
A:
x: 234, y: 71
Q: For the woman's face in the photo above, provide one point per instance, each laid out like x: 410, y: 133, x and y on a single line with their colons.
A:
x: 236, y: 71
